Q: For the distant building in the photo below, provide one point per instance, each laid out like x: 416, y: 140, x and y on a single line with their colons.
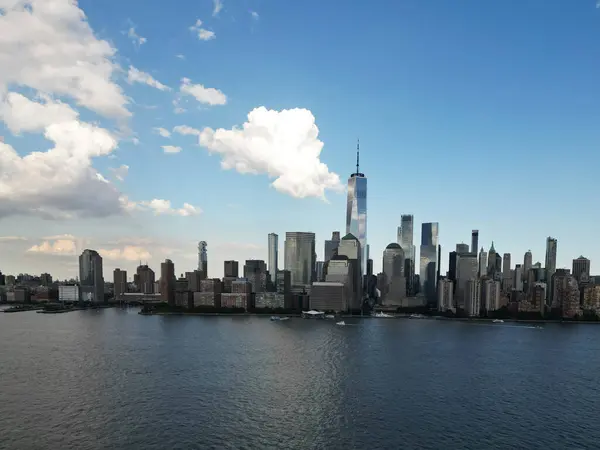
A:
x: 331, y: 246
x: 120, y: 283
x: 167, y: 282
x: 273, y: 256
x: 472, y: 298
x: 581, y: 269
x: 446, y: 295
x: 328, y: 296
x: 231, y: 269
x: 393, y: 268
x: 429, y: 260
x: 203, y: 258
x: 474, y: 241
x: 91, y: 277
x: 356, y: 211
x: 350, y: 248
x: 255, y: 271
x: 300, y: 259
x: 68, y: 293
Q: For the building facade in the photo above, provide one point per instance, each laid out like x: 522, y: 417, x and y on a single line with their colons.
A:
x: 356, y: 210
x: 300, y: 259
x: 273, y: 257
x: 91, y: 278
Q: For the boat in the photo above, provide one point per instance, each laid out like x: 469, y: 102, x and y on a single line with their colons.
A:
x: 416, y: 316
x: 341, y: 324
x: 497, y: 321
x: 330, y: 316
x: 279, y: 319
x: 312, y: 314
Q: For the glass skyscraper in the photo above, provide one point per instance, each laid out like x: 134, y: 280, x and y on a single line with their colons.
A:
x: 429, y: 259
x: 273, y: 256
x: 300, y: 259
x: 356, y: 210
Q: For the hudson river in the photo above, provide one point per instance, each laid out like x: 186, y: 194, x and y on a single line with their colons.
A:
x: 113, y: 379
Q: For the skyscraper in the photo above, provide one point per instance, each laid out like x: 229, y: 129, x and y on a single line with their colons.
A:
x: 462, y: 249
x: 91, y: 277
x: 506, y: 266
x: 299, y: 255
x: 202, y: 258
x: 581, y: 269
x: 332, y: 245
x: 356, y: 209
x: 167, y: 282
x: 120, y: 283
x: 527, y: 263
x: 405, y: 236
x: 551, y: 245
x: 429, y: 259
x: 273, y: 256
x: 474, y: 241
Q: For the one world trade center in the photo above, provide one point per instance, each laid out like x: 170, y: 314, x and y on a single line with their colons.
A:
x: 356, y: 210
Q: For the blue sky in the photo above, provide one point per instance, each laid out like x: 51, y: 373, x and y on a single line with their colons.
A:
x: 477, y: 115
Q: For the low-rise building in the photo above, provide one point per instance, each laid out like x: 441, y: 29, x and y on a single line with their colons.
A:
x: 236, y: 300
x: 207, y: 299
x: 329, y: 296
x: 269, y: 300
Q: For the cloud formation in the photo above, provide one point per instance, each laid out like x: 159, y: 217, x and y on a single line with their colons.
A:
x: 49, y: 46
x: 163, y: 207
x: 202, y: 33
x: 218, y: 6
x: 120, y: 172
x: 281, y: 144
x: 127, y: 253
x: 171, y: 149
x: 162, y: 131
x: 208, y: 96
x: 60, y: 247
x: 137, y: 76
x: 137, y: 40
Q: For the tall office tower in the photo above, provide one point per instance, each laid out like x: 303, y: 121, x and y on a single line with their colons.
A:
x: 356, y: 209
x: 91, y: 277
x: 203, y: 258
x: 255, y: 271
x: 566, y: 294
x: 527, y: 263
x: 462, y: 248
x: 393, y: 268
x: 273, y: 256
x: 299, y: 256
x: 550, y: 266
x: 405, y: 236
x: 331, y: 246
x: 446, y: 295
x: 120, y: 283
x: 194, y: 280
x: 439, y: 264
x: 466, y: 270
x: 429, y: 260
x: 350, y: 248
x: 517, y: 283
x: 491, y: 267
x: 491, y: 295
x: 483, y: 256
x: 144, y: 279
x: 474, y: 241
x: 231, y: 269
x: 581, y: 269
x: 506, y: 266
x: 452, y: 257
x: 167, y: 282
x: 320, y: 270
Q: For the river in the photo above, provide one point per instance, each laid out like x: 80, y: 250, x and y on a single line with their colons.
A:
x: 113, y: 379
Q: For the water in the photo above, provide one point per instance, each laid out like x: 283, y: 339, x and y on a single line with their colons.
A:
x: 113, y: 379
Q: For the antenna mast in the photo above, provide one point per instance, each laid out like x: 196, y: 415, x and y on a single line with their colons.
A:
x: 357, y: 154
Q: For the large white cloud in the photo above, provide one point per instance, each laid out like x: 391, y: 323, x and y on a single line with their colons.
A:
x: 281, y: 144
x: 49, y: 46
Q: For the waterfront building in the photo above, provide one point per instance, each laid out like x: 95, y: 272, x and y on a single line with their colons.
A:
x: 231, y: 269
x: 350, y: 248
x: 472, y: 298
x: 203, y: 258
x: 255, y: 271
x: 167, y: 282
x: 273, y: 256
x: 446, y: 295
x: 120, y: 283
x: 328, y: 296
x: 581, y: 269
x: 405, y: 238
x: 491, y: 297
x: 356, y: 210
x: 393, y: 268
x: 300, y: 259
x: 91, y: 277
x: 429, y: 260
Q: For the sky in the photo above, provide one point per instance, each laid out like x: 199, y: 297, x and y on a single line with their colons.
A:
x: 139, y: 128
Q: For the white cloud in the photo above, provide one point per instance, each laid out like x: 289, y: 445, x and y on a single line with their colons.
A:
x: 12, y: 238
x: 179, y: 110
x: 162, y: 131
x: 127, y: 253
x: 254, y: 15
x: 49, y: 46
x: 171, y: 149
x: 120, y: 172
x: 137, y: 76
x: 186, y: 131
x: 180, y: 56
x: 137, y: 40
x: 217, y: 8
x: 209, y: 96
x: 203, y: 33
x: 60, y: 182
x: 60, y: 247
x: 281, y: 144
x: 162, y: 207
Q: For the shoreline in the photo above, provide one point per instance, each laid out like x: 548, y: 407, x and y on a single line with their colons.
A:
x: 343, y: 316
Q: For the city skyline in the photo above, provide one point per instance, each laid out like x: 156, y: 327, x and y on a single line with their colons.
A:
x: 138, y: 172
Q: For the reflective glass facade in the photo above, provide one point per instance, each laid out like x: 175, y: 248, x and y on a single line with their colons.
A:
x: 300, y: 258
x: 429, y: 259
x: 91, y: 277
x: 273, y: 256
x: 356, y: 213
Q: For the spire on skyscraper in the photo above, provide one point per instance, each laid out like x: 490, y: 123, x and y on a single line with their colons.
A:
x: 357, y: 154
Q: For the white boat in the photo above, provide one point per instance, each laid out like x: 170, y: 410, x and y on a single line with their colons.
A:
x: 497, y: 321
x: 330, y: 316
x: 416, y: 316
x: 341, y: 324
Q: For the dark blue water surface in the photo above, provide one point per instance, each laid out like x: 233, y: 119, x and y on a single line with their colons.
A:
x: 113, y: 379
